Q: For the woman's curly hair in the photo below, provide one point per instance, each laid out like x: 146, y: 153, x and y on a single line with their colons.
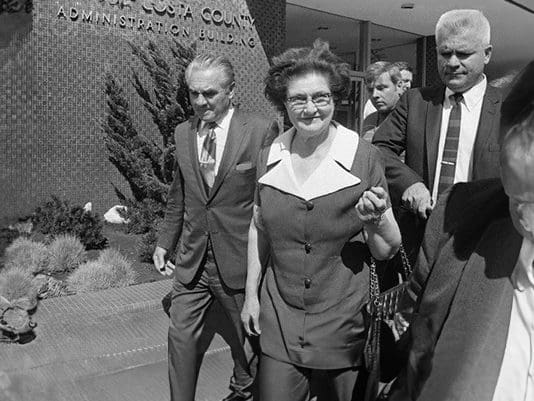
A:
x: 299, y: 61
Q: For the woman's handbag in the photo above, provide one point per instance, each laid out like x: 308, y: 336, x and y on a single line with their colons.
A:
x: 382, y: 307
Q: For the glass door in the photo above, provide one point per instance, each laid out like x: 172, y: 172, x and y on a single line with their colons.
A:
x: 350, y: 112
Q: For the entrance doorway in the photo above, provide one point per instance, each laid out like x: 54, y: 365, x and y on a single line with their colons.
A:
x: 349, y: 112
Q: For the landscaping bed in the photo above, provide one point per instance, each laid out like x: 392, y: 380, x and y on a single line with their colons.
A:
x: 127, y: 245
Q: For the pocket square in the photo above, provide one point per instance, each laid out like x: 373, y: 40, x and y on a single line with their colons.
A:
x: 243, y: 166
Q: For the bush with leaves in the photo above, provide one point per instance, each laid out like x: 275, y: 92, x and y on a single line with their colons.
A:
x: 57, y: 217
x: 7, y: 236
x: 148, y: 165
x: 146, y: 245
x: 145, y: 163
x: 26, y: 254
x: 142, y: 216
x: 111, y: 269
x: 66, y: 253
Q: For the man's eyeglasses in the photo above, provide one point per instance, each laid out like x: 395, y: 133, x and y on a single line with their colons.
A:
x: 300, y: 101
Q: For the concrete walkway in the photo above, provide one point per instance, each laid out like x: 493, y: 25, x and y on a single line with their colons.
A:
x: 107, y: 346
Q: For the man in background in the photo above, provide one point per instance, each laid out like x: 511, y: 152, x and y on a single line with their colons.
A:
x: 449, y: 132
x: 208, y: 213
x: 406, y: 74
x: 473, y: 329
x: 384, y: 86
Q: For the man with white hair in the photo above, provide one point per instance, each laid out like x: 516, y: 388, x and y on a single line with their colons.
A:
x: 473, y: 330
x: 209, y: 207
x: 449, y: 132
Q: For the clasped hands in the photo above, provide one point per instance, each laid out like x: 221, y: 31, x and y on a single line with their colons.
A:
x: 372, y: 205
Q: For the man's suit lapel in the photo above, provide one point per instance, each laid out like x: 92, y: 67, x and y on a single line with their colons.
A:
x: 432, y: 130
x: 193, y: 154
x: 234, y: 140
x: 486, y: 129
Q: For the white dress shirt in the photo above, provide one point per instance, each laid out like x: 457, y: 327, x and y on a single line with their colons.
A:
x: 516, y: 377
x: 221, y: 133
x: 471, y: 105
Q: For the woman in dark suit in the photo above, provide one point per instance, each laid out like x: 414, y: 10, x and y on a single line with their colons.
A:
x: 321, y: 206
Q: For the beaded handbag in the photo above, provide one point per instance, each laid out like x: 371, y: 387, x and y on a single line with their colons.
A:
x: 382, y: 306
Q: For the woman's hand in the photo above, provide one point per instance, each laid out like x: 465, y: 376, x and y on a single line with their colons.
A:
x: 250, y: 316
x: 372, y: 205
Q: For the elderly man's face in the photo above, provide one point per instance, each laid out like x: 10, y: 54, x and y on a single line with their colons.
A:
x: 209, y: 93
x: 407, y: 79
x: 384, y: 93
x: 518, y: 182
x: 461, y: 60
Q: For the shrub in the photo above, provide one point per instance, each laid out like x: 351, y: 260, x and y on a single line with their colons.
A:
x: 145, y: 163
x: 49, y: 287
x: 142, y: 216
x: 146, y: 246
x: 57, y: 217
x: 26, y: 254
x: 17, y: 283
x: 111, y: 269
x: 7, y: 236
x: 66, y: 252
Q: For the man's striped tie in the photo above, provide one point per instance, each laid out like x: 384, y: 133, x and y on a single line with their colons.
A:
x: 450, y: 150
x: 207, y: 154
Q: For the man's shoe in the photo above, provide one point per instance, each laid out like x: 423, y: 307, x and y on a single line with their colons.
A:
x: 238, y: 396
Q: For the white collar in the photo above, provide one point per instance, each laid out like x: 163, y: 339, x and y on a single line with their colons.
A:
x: 330, y: 176
x: 342, y: 150
x: 523, y: 275
x: 472, y: 96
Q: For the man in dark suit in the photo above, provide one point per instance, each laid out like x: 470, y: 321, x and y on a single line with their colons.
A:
x: 449, y: 132
x: 473, y: 329
x: 209, y: 209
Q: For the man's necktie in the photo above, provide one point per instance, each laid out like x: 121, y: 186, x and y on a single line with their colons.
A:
x: 207, y: 154
x: 450, y: 150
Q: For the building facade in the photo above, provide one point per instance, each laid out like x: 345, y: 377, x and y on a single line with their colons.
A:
x: 53, y: 59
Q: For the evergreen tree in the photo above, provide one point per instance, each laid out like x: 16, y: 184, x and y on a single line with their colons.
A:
x: 147, y: 164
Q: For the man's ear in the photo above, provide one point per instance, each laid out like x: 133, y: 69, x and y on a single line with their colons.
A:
x: 231, y: 88
x: 487, y: 53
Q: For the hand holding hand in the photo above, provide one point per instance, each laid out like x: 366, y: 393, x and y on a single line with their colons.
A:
x: 372, y: 205
x: 250, y: 316
x: 417, y: 198
x: 162, y: 265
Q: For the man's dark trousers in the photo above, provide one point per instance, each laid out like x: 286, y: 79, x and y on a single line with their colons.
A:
x: 190, y: 303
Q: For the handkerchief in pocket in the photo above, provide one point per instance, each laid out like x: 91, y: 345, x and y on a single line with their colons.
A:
x: 243, y: 166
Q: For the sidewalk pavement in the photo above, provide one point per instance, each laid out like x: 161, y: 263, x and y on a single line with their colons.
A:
x: 107, y: 346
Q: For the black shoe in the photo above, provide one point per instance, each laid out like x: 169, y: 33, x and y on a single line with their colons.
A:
x: 238, y: 396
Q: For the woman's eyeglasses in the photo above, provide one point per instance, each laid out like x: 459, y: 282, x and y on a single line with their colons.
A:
x: 300, y: 101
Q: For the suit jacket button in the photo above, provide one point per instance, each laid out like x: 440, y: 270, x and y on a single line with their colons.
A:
x: 307, y: 283
x: 309, y: 205
x: 307, y: 247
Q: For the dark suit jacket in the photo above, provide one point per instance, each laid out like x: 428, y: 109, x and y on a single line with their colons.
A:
x: 459, y: 333
x: 414, y: 127
x: 223, y: 215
